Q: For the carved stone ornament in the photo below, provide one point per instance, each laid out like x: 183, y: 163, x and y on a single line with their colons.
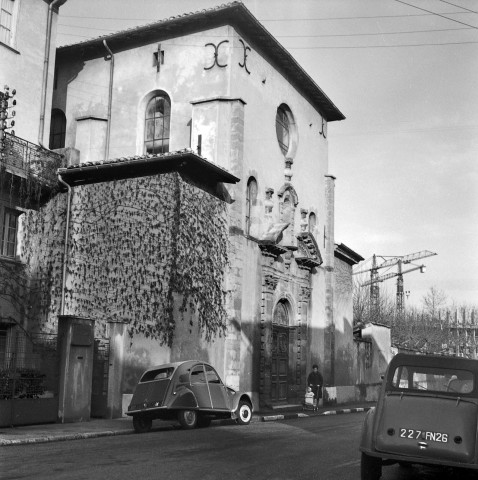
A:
x: 288, y: 187
x: 305, y: 293
x: 308, y: 253
x: 270, y: 282
x: 268, y: 242
x: 268, y: 202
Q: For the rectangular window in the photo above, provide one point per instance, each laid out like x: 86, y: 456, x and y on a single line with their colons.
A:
x: 437, y: 379
x: 9, y: 233
x: 6, y: 21
x: 3, y: 346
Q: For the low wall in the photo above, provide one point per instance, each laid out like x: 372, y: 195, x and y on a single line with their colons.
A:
x: 28, y: 411
x: 126, y: 401
x: 340, y: 395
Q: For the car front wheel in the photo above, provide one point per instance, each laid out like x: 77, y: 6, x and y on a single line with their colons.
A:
x: 188, y: 418
x: 142, y: 424
x: 370, y: 468
x: 244, y: 413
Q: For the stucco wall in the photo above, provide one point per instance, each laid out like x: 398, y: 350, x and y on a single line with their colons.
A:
x: 344, y: 350
x: 235, y: 113
x: 381, y: 349
x: 27, y: 54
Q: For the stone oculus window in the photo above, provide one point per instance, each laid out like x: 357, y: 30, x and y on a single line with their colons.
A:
x: 286, y: 131
x: 157, y: 123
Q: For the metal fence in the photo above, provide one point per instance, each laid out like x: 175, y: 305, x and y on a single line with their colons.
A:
x: 28, y: 365
x: 25, y: 156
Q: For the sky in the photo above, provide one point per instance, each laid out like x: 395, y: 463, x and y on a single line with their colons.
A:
x: 405, y: 75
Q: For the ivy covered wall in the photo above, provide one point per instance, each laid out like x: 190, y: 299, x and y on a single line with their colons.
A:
x: 136, y: 247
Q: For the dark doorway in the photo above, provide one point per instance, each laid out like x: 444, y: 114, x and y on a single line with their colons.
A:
x: 99, y: 388
x: 280, y: 353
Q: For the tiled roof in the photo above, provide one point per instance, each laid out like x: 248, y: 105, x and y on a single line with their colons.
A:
x: 193, y: 168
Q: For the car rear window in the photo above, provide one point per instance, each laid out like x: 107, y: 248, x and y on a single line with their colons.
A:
x: 159, y: 374
x: 447, y: 380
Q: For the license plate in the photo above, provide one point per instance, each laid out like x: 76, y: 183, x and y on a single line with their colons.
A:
x: 423, y: 435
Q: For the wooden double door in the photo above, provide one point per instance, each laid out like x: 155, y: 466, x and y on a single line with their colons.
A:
x: 280, y: 363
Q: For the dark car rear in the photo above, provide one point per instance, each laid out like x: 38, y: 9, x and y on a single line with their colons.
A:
x: 426, y: 413
x: 190, y: 391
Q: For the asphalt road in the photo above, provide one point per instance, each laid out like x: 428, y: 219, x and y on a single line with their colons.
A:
x: 308, y: 448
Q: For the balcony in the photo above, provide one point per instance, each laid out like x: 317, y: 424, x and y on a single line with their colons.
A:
x: 28, y: 170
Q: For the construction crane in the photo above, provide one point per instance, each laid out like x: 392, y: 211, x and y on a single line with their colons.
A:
x: 375, y: 279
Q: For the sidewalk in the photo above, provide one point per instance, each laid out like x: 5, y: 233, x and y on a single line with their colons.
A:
x: 55, y: 432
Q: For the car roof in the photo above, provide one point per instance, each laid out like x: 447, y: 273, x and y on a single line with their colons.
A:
x: 175, y: 365
x: 434, y: 361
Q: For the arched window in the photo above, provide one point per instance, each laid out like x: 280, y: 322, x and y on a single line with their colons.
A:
x: 312, y: 222
x: 251, y: 198
x: 157, y: 119
x: 57, y: 129
x: 281, y: 314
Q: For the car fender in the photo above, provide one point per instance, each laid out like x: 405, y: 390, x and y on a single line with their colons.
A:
x: 237, y: 398
x: 183, y: 398
x: 366, y: 440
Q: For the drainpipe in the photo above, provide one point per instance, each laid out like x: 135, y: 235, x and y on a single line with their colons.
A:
x: 65, y: 251
x: 329, y: 354
x: 46, y: 66
x: 110, y: 97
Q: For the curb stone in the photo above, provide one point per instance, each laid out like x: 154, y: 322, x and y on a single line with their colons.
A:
x: 62, y: 438
x: 42, y: 438
x: 288, y: 416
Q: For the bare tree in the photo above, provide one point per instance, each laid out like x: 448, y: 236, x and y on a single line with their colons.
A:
x: 380, y: 310
x: 433, y: 301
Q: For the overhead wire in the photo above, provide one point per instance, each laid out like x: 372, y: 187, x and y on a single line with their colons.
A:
x: 427, y: 12
x: 437, y: 14
x: 324, y: 47
x: 304, y: 36
x: 277, y: 19
x: 459, y: 6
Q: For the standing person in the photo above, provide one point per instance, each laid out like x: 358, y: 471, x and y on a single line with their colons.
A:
x: 315, y: 382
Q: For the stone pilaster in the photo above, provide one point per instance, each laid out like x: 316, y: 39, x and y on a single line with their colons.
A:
x: 301, y: 360
x: 117, y: 338
x: 329, y: 353
x: 269, y: 285
x: 219, y: 122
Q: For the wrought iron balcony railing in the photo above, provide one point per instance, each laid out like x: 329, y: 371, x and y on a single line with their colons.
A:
x: 25, y: 159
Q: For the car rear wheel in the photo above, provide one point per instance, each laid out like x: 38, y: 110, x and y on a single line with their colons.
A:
x: 188, y: 418
x: 142, y: 424
x: 244, y: 413
x: 370, y: 468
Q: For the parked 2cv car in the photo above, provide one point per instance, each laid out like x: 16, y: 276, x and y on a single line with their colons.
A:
x: 189, y: 391
x: 426, y: 414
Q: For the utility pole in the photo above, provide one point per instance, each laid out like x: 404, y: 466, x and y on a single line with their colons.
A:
x: 374, y: 289
x: 400, y: 305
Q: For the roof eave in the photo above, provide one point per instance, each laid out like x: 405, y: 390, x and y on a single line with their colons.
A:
x: 234, y: 14
x: 193, y: 169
